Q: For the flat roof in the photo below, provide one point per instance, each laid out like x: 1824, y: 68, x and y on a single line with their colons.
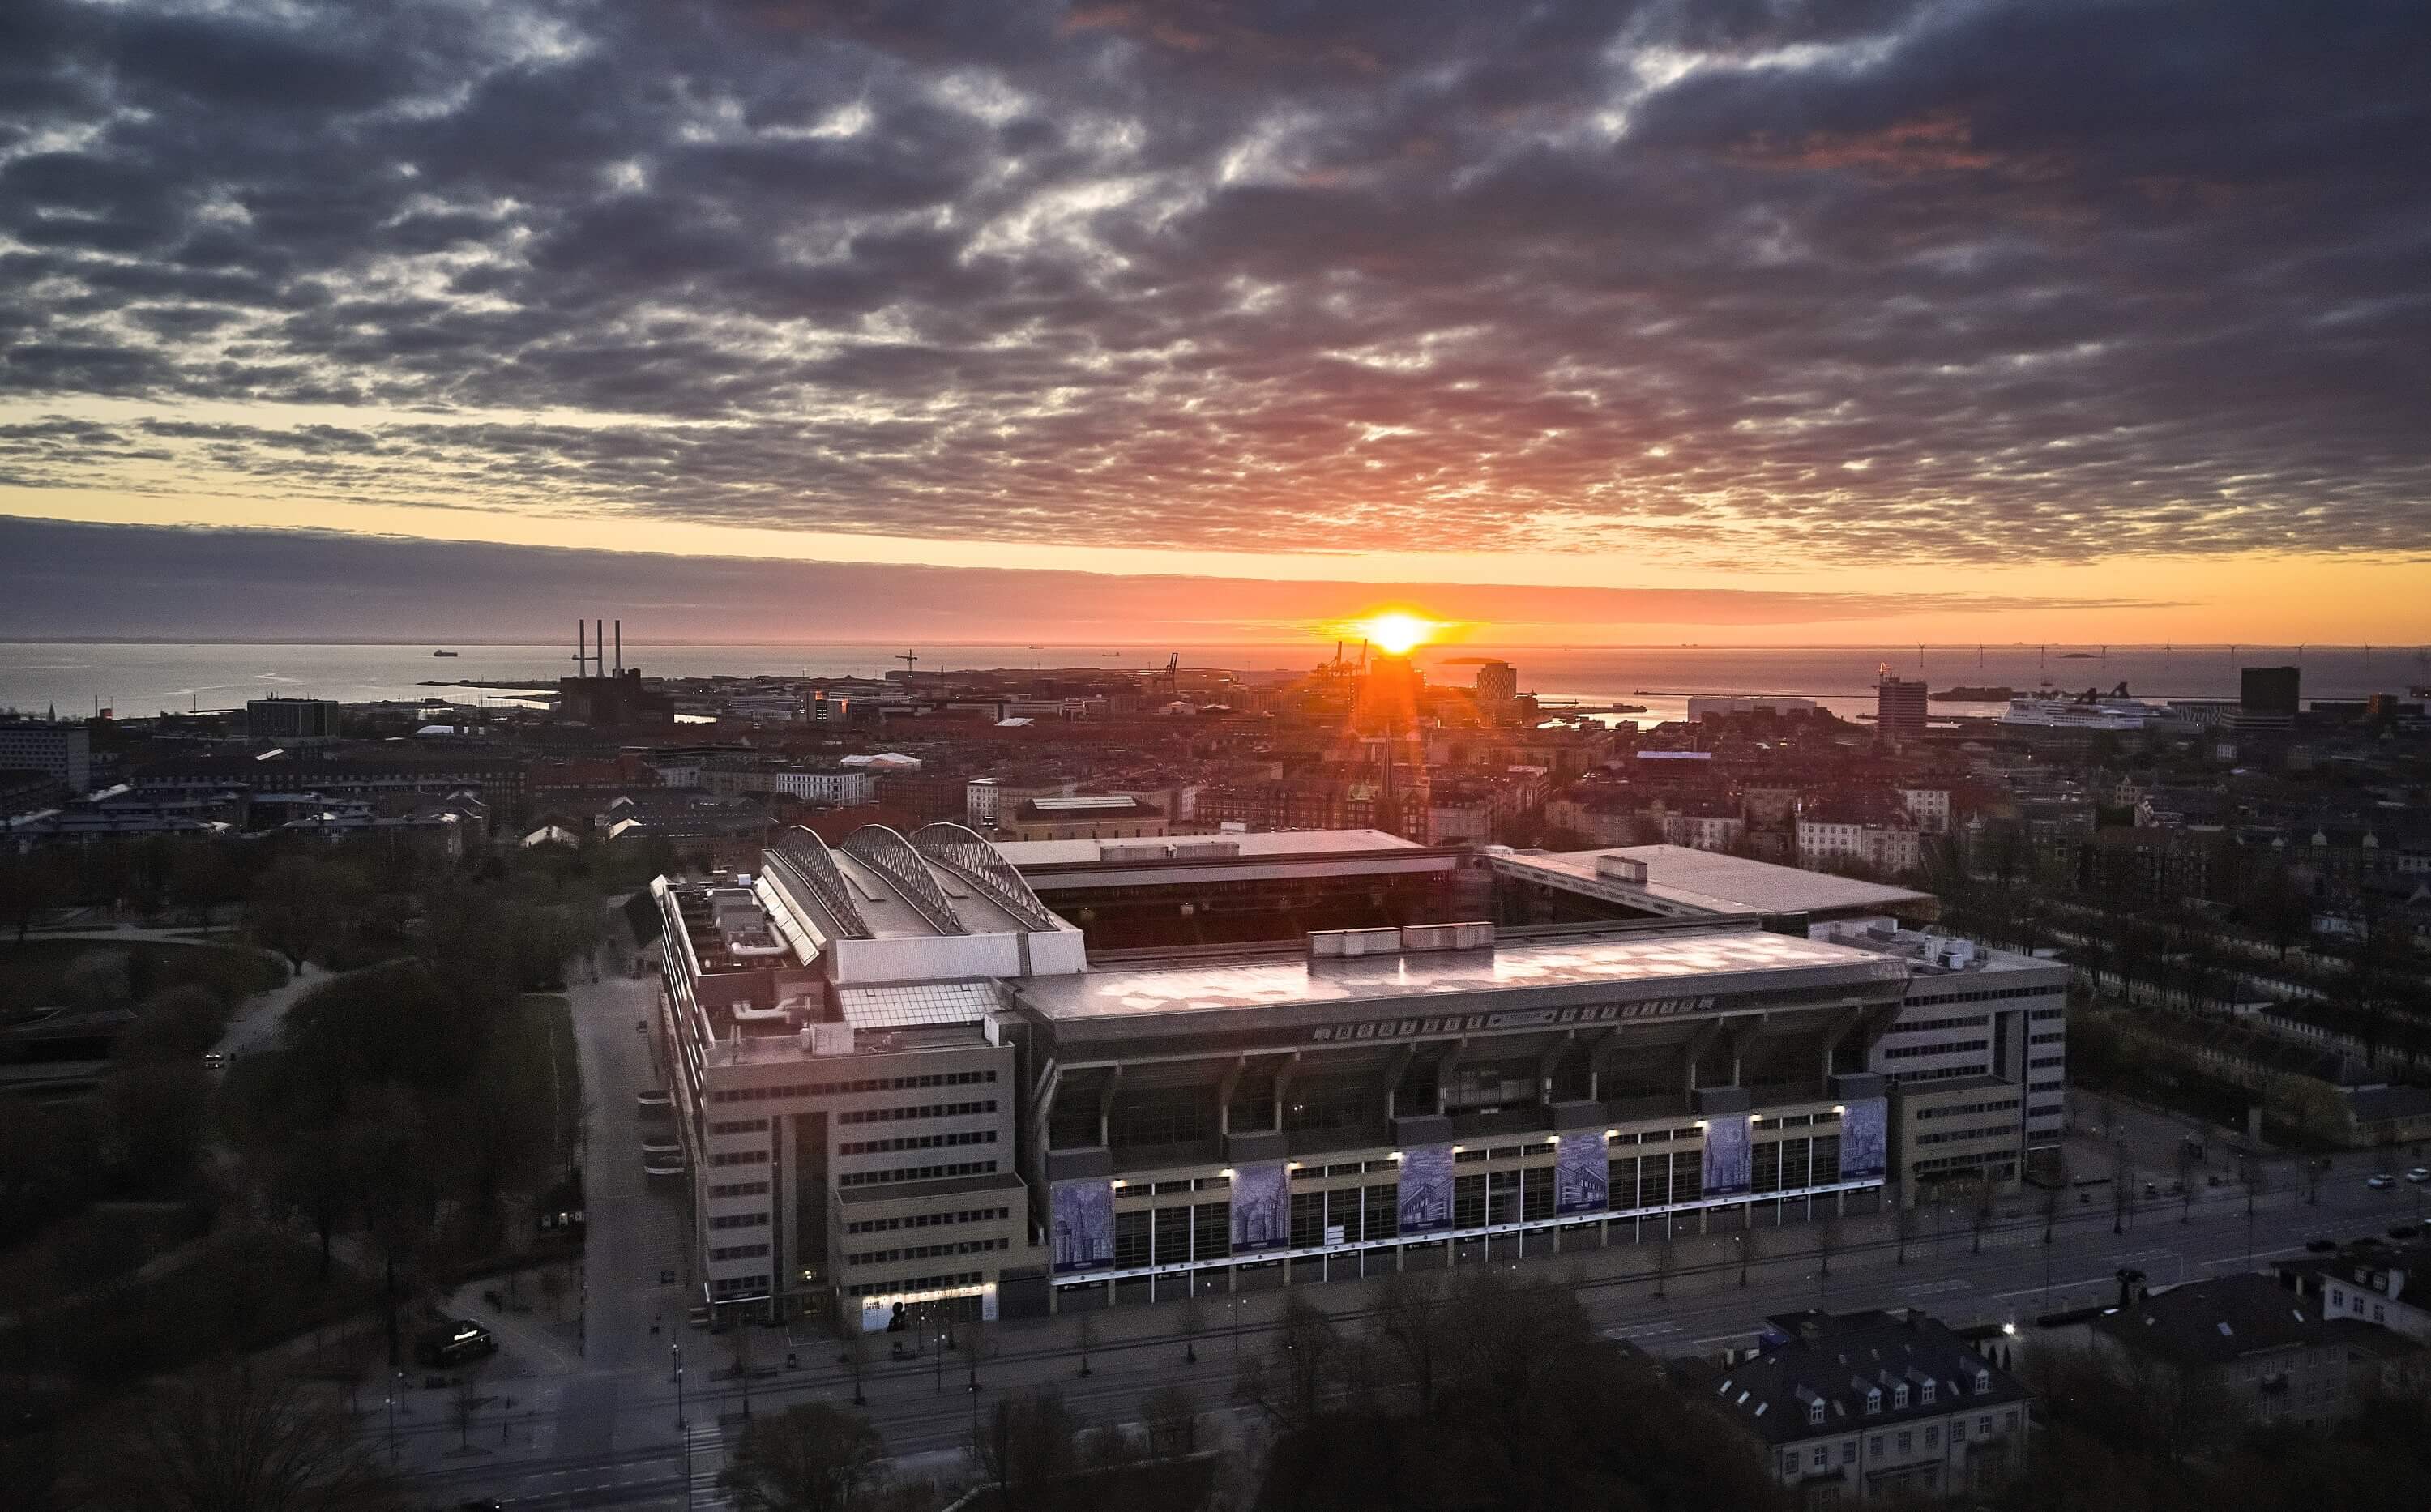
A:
x: 1693, y: 962
x: 1709, y: 882
x: 1025, y: 854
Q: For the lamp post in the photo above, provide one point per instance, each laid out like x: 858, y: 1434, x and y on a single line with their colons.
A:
x: 684, y: 1430
x: 393, y: 1378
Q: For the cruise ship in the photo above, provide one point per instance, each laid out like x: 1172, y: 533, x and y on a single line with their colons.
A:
x: 2087, y: 712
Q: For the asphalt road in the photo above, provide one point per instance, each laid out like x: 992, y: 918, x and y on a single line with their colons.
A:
x: 616, y: 1443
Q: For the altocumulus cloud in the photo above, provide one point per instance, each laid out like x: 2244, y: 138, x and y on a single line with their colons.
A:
x: 2039, y: 279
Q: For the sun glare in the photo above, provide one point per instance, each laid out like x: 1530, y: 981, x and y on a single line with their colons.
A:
x: 1396, y: 633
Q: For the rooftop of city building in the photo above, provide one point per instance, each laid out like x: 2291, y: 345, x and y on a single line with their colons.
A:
x: 1680, y: 880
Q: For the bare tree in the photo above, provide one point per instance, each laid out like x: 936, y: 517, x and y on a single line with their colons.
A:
x: 811, y: 1457
x: 1026, y: 1446
x: 1192, y: 1320
x: 1666, y: 1257
x: 464, y: 1404
x: 1288, y: 1383
x: 746, y: 1356
x: 1406, y: 1323
x: 1085, y: 1336
x: 224, y: 1441
x: 856, y: 1357
x: 1170, y: 1416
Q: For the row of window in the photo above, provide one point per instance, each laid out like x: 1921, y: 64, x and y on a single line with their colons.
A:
x: 1922, y: 1026
x: 926, y: 1252
x: 828, y: 1089
x: 2055, y: 1037
x: 734, y: 1286
x: 925, y: 1110
x: 1953, y: 1136
x: 1988, y: 996
x: 916, y: 1173
x: 2000, y: 1171
x: 2047, y: 1110
x: 1962, y: 1048
x: 735, y: 1126
x: 739, y: 1251
x: 1955, y: 1109
x: 881, y: 1288
x: 740, y: 1220
x: 929, y: 1220
x: 2045, y: 1063
x: 1940, y: 1073
x: 740, y: 1190
x: 740, y: 1157
x: 935, y: 1141
x: 2049, y: 1013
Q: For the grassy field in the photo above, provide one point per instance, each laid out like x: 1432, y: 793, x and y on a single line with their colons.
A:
x: 30, y: 973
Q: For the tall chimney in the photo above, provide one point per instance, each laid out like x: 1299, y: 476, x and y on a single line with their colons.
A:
x: 600, y: 648
x: 582, y: 654
x: 620, y: 648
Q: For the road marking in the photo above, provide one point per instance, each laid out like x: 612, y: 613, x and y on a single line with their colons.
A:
x: 2258, y: 1254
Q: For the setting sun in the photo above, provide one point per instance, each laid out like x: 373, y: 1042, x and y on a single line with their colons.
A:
x: 1396, y: 633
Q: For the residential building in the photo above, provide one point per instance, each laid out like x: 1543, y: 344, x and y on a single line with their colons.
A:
x: 60, y: 750
x: 1888, y: 844
x: 844, y: 787
x: 291, y: 721
x: 2386, y: 1285
x: 1871, y: 1407
x: 1928, y: 806
x: 1899, y: 708
x: 2269, y: 1355
x: 1083, y: 817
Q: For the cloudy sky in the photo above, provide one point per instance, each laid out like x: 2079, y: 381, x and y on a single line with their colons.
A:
x: 1756, y: 317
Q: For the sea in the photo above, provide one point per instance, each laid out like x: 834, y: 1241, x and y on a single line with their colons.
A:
x: 79, y: 679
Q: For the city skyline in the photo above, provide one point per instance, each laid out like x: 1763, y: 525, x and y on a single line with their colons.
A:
x: 1909, y: 321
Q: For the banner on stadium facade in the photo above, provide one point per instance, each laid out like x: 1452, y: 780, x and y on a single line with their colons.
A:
x: 1426, y: 1190
x: 1261, y: 1208
x: 1865, y: 1139
x: 1084, y: 1224
x: 1582, y: 1175
x: 1726, y: 1155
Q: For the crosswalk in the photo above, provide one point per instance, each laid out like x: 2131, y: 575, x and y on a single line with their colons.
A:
x: 705, y: 1459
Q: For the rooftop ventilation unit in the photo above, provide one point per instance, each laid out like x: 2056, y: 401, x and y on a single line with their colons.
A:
x: 1159, y: 851
x: 1204, y: 850
x: 1630, y: 869
x: 1473, y: 936
x: 1343, y: 943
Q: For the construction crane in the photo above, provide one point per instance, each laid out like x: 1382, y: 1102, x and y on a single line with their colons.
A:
x: 1173, y: 674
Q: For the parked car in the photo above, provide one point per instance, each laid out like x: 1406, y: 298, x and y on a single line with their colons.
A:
x: 2419, y: 1175
x: 214, y: 1061
x: 2380, y: 1181
x: 454, y: 1342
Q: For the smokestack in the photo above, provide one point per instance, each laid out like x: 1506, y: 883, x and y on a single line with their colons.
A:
x: 582, y: 654
x: 620, y: 648
x: 600, y: 648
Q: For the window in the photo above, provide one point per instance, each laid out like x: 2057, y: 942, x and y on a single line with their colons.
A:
x: 1847, y: 1452
x: 1982, y: 1382
x: 1874, y: 1447
x: 1933, y: 1439
x: 2009, y: 1421
x: 1823, y: 1451
x: 1958, y: 1430
x: 1815, y: 1415
x: 1984, y: 1426
x: 1874, y: 1403
x: 1790, y: 1462
x: 1928, y: 1393
x: 1906, y: 1442
x: 1899, y: 1395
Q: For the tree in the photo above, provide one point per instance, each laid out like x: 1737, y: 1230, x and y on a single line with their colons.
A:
x: 1406, y: 1323
x: 1170, y: 1416
x: 1085, y: 1336
x: 1288, y: 1383
x: 1028, y: 1445
x: 811, y: 1457
x: 464, y: 1404
x: 1980, y: 1209
x: 1192, y: 1320
x: 227, y: 1443
x: 299, y: 903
